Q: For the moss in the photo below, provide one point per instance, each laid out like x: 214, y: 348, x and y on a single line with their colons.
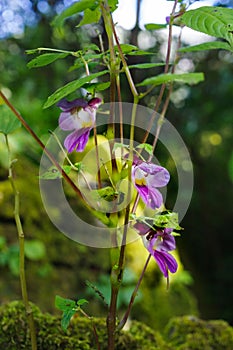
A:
x: 191, y: 333
x: 15, y: 335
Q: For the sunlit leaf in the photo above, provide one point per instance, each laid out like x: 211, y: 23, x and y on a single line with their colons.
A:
x: 113, y: 4
x: 45, y: 59
x: 207, y: 46
x: 215, y: 21
x: 147, y: 147
x: 154, y: 26
x: 71, y: 87
x: 8, y: 121
x: 75, y: 8
x: 90, y: 16
x: 188, y: 78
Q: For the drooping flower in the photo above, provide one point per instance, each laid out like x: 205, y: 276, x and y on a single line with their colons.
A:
x: 159, y: 242
x: 146, y: 178
x: 78, y: 116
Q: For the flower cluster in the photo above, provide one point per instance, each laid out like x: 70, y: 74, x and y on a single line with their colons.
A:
x: 78, y: 116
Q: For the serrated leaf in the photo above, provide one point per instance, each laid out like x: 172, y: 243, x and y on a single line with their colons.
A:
x: 146, y: 65
x: 214, y: 21
x: 45, y: 59
x: 75, y: 8
x: 155, y: 26
x: 90, y: 17
x: 213, y: 45
x: 34, y: 250
x: 8, y: 121
x: 64, y: 304
x: 71, y: 87
x: 188, y: 78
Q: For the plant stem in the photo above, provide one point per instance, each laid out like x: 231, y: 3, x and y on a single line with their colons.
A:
x: 20, y: 232
x: 133, y: 296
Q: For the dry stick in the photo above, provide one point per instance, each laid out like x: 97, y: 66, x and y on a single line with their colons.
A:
x: 23, y: 283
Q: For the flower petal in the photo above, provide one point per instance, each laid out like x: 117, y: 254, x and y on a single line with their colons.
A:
x: 150, y: 196
x: 77, y: 140
x: 142, y: 228
x: 66, y: 121
x: 165, y: 262
x: 66, y: 105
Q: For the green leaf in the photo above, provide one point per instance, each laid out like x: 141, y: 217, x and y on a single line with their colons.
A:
x: 71, y: 87
x: 8, y: 121
x: 146, y: 65
x: 53, y: 173
x: 34, y: 250
x: 66, y: 317
x: 107, y: 193
x: 215, y: 21
x: 126, y: 48
x: 45, y: 59
x: 167, y: 219
x: 80, y: 302
x: 90, y: 17
x: 140, y: 53
x: 95, y: 87
x: 207, y: 46
x: 154, y: 26
x: 113, y: 4
x: 75, y: 8
x: 119, y: 145
x: 188, y: 78
x: 147, y: 147
x: 64, y: 304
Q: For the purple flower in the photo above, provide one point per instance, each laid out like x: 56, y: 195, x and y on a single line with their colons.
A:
x: 78, y: 116
x: 158, y: 246
x: 146, y: 178
x: 159, y: 242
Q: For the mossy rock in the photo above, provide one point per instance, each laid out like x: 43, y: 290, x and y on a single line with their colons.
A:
x: 191, y: 333
x: 14, y: 333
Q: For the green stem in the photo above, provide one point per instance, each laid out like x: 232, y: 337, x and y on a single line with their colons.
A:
x: 20, y: 232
